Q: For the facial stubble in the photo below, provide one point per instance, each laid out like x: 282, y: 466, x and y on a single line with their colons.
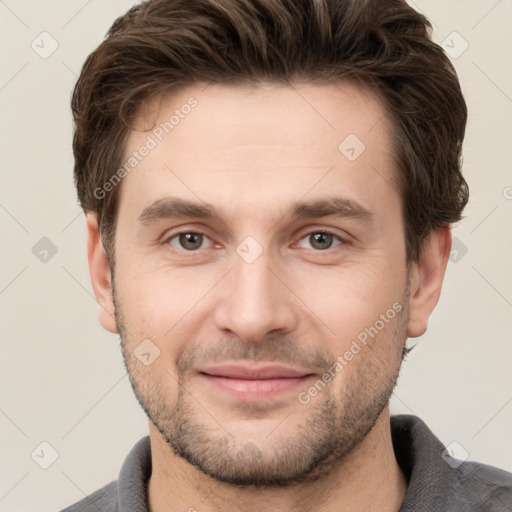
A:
x: 328, y: 428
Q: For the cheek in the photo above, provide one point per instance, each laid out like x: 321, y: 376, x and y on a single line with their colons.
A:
x: 349, y: 299
x: 160, y: 304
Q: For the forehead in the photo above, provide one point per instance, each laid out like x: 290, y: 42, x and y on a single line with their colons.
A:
x: 260, y: 142
x: 298, y: 112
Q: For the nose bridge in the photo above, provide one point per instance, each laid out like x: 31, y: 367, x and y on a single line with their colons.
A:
x: 253, y: 279
x: 255, y: 302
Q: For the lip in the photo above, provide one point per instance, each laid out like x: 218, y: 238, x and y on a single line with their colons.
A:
x: 253, y: 373
x: 254, y: 383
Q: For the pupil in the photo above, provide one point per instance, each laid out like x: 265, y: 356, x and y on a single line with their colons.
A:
x: 189, y: 240
x: 322, y: 238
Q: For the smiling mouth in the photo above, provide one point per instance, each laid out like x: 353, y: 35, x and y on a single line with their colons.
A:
x: 254, y: 383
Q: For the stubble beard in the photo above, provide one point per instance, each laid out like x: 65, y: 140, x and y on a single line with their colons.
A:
x: 329, y: 430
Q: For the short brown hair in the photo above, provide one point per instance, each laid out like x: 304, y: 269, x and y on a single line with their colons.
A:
x: 161, y: 45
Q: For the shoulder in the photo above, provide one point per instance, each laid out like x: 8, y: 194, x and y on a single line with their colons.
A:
x: 128, y: 492
x: 488, y: 485
x: 438, y: 481
x: 104, y: 500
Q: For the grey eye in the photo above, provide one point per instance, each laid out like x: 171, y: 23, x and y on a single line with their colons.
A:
x: 189, y: 241
x: 321, y: 240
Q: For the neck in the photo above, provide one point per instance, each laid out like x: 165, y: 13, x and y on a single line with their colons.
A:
x: 369, y: 478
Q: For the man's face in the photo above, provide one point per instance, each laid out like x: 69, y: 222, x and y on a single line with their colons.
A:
x: 249, y: 310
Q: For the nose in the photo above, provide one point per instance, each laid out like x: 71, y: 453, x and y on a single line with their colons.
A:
x: 255, y: 300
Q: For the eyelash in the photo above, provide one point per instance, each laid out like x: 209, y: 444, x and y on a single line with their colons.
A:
x: 343, y: 241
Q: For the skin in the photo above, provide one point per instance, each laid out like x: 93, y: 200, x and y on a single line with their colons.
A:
x: 250, y: 152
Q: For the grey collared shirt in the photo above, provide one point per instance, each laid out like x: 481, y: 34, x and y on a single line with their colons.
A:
x: 436, y: 481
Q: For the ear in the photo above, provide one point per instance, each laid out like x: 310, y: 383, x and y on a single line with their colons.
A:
x: 100, y: 275
x: 426, y: 279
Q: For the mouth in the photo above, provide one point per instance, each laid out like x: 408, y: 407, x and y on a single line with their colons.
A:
x: 254, y: 383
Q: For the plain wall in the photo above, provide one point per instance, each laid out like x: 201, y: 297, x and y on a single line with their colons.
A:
x: 62, y: 376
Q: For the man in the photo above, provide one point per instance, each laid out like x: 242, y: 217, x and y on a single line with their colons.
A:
x: 269, y: 188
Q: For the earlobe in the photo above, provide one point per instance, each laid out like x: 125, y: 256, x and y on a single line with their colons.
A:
x: 100, y: 275
x: 427, y: 280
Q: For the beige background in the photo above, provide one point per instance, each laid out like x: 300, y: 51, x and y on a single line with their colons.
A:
x: 62, y: 377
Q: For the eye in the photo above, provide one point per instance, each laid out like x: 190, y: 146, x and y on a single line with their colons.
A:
x: 192, y: 241
x: 321, y: 240
x: 188, y: 240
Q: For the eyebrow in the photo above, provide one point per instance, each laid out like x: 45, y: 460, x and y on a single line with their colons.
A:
x: 177, y: 208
